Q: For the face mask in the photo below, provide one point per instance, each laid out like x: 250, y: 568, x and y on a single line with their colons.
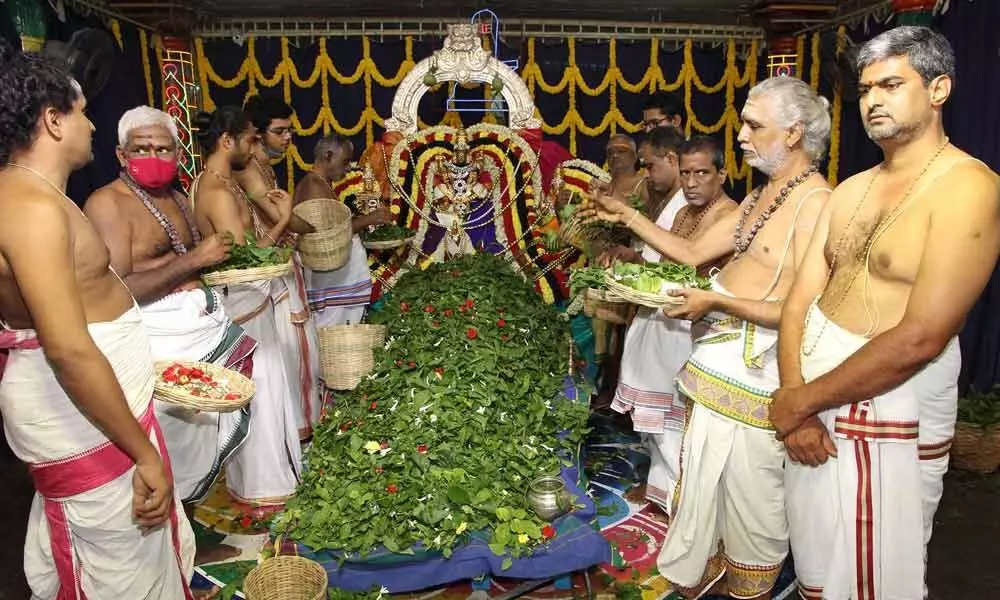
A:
x: 151, y: 172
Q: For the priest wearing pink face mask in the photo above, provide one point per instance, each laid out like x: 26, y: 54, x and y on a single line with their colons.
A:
x: 155, y: 247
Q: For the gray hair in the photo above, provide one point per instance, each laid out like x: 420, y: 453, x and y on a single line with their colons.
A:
x: 331, y: 143
x: 928, y: 51
x: 144, y: 116
x: 795, y: 103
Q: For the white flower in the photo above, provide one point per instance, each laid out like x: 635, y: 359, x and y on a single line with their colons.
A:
x: 384, y: 451
x: 503, y: 417
x: 434, y: 418
x: 481, y: 410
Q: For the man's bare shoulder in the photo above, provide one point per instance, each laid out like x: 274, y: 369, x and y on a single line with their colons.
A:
x: 968, y: 186
x: 212, y: 191
x: 27, y: 210
x: 108, y: 198
x: 853, y: 185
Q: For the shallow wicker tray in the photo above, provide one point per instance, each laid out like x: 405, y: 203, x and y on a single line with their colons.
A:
x: 387, y: 244
x: 286, y: 578
x: 604, y: 296
x: 173, y: 395
x: 641, y: 298
x: 247, y: 275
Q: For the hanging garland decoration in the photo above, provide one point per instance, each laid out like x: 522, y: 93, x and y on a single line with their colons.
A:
x: 287, y: 76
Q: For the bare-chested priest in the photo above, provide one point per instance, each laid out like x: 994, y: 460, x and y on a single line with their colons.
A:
x: 733, y: 468
x: 296, y: 327
x: 869, y: 370
x: 77, y: 390
x: 155, y: 246
x: 265, y: 469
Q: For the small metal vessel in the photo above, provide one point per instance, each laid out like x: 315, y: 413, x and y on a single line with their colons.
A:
x: 549, y: 497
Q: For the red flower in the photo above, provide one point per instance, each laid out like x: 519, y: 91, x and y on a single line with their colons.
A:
x: 471, y: 333
x: 422, y: 448
x: 378, y: 470
x: 383, y: 445
x: 230, y: 396
x: 448, y: 312
x: 197, y: 373
x: 411, y: 364
x: 245, y: 522
x: 429, y: 308
x: 391, y: 488
x: 404, y: 307
x: 505, y: 337
x: 469, y: 302
x: 439, y: 372
x: 501, y: 323
x: 184, y: 371
x: 373, y: 406
x: 548, y: 532
x: 399, y: 362
x: 463, y: 309
x: 343, y: 428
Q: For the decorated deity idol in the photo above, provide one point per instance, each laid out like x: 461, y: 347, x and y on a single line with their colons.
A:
x: 459, y: 187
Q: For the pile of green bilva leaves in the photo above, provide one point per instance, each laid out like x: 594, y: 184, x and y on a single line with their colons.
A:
x: 460, y: 414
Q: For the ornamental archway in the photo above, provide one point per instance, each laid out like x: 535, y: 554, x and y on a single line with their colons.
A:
x: 462, y: 60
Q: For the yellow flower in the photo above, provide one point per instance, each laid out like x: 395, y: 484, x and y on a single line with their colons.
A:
x: 522, y: 538
x: 372, y: 447
x: 461, y: 527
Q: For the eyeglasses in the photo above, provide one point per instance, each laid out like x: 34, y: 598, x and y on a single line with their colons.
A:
x: 653, y: 123
x: 281, y: 131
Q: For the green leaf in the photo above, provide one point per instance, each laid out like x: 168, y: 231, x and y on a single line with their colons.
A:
x: 506, y: 564
x: 458, y: 495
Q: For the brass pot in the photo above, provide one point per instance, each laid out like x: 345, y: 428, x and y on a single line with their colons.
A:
x: 549, y: 497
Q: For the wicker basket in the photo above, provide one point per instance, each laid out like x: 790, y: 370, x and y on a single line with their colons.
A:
x: 330, y: 246
x: 601, y: 304
x: 236, y: 383
x: 347, y: 353
x: 233, y: 276
x: 286, y: 578
x: 641, y: 298
x: 976, y: 448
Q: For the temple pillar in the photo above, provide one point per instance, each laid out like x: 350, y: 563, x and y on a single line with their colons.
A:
x: 181, y: 100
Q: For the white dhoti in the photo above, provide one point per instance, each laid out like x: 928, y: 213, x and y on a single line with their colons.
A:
x: 340, y: 297
x: 299, y: 345
x: 730, y: 516
x: 193, y: 326
x: 82, y: 540
x: 265, y: 470
x: 860, y: 522
x: 655, y: 349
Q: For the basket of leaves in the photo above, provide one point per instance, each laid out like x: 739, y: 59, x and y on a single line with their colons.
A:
x: 329, y: 246
x: 387, y: 237
x: 248, y: 262
x: 649, y: 284
x: 346, y: 353
x: 976, y: 445
x: 202, y: 386
x: 598, y: 302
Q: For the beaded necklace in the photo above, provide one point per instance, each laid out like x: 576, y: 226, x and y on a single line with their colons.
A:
x: 743, y: 240
x: 168, y: 227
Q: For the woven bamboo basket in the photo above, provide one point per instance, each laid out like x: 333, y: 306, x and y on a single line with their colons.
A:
x: 387, y: 244
x: 233, y: 276
x: 235, y: 383
x: 601, y: 304
x: 347, y: 353
x: 286, y: 578
x: 641, y: 298
x: 976, y: 448
x: 330, y: 246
